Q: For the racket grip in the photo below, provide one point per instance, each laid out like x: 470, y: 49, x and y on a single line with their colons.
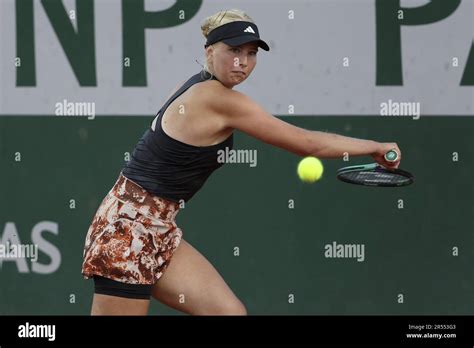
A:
x: 391, y: 155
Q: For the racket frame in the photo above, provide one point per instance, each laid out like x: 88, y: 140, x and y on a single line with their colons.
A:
x: 374, y: 167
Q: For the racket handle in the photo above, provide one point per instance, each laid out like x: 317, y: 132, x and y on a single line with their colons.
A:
x: 391, y: 156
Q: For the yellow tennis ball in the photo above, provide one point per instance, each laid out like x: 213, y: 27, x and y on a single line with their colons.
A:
x: 310, y: 169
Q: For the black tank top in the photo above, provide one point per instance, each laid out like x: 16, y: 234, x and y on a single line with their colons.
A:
x: 169, y: 168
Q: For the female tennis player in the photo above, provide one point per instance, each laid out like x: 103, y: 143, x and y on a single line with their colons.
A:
x: 133, y: 238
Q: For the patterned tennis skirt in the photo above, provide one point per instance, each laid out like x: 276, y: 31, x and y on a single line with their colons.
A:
x: 132, y: 237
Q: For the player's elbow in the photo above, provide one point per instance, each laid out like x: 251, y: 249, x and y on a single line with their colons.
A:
x: 297, y: 142
x: 304, y: 152
x: 319, y: 144
x: 307, y: 145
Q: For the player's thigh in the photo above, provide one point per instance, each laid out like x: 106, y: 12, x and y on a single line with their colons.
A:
x: 115, y: 305
x: 192, y: 285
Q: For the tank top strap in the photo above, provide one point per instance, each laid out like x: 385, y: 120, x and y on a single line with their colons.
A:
x: 199, y: 77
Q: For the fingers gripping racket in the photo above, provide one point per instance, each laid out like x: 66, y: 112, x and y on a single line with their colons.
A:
x: 375, y: 175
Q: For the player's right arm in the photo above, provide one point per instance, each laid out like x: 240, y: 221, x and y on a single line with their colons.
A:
x: 242, y: 113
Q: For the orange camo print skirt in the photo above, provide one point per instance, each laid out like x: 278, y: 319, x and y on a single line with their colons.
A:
x: 132, y: 237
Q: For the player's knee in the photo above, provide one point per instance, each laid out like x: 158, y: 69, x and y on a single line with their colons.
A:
x: 233, y: 308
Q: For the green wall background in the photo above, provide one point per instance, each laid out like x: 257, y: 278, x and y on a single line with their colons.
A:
x: 407, y: 251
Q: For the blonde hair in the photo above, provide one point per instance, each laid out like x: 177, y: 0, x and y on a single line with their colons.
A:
x: 221, y: 18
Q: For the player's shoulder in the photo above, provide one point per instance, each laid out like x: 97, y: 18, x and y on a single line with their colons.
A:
x: 219, y: 97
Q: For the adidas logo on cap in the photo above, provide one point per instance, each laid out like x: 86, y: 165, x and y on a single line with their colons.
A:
x: 249, y: 30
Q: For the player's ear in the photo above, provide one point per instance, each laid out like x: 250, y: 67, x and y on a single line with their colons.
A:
x: 208, y: 52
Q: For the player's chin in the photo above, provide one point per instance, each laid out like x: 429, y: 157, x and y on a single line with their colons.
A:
x: 235, y: 83
x: 238, y: 79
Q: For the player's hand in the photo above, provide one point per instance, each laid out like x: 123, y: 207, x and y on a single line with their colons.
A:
x: 382, y: 149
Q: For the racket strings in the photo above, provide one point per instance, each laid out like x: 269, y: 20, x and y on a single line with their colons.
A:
x: 375, y: 177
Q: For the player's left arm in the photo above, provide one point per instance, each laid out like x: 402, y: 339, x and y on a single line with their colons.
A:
x: 241, y: 112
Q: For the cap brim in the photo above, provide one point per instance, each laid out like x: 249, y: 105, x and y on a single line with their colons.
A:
x: 240, y: 40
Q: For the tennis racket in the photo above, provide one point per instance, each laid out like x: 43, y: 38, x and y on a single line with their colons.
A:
x: 375, y: 175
